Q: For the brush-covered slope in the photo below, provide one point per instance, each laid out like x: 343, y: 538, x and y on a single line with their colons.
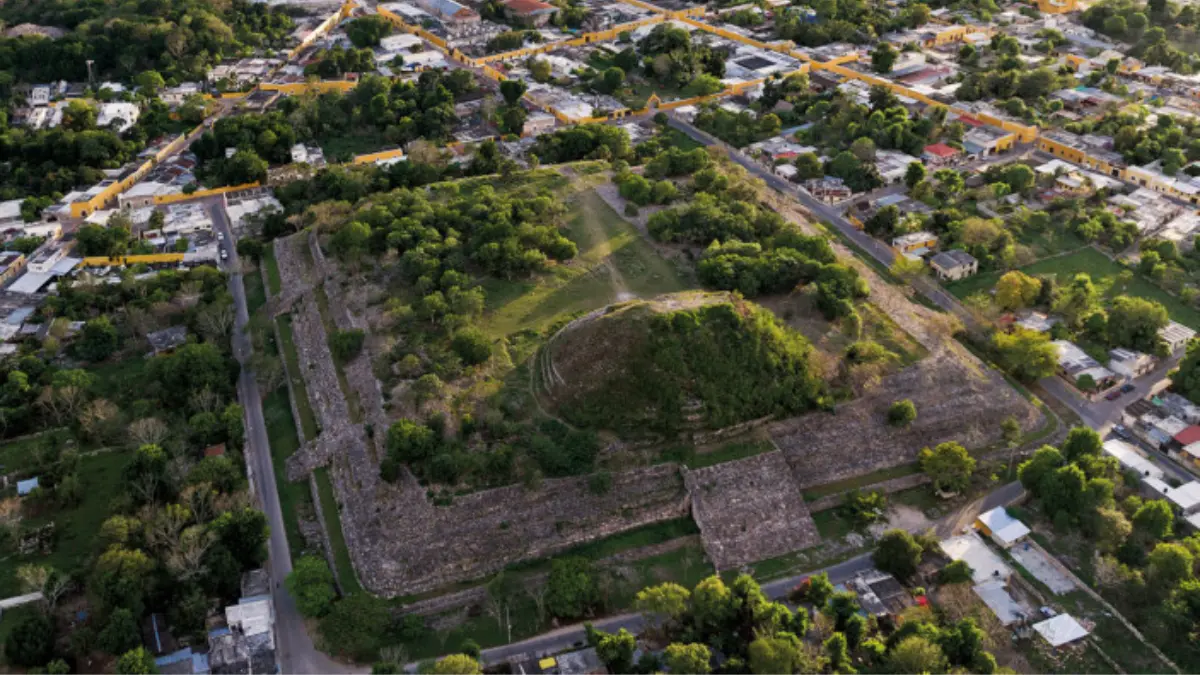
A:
x: 680, y: 362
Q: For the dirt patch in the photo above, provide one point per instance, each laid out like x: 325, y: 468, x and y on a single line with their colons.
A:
x: 902, y: 517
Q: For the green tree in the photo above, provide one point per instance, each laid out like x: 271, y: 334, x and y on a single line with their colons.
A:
x: 1044, y: 461
x: 666, y: 599
x: 1186, y: 379
x: 902, y: 413
x: 457, y: 664
x: 949, y: 465
x: 1169, y: 564
x: 1154, y: 520
x: 915, y: 173
x: 1082, y: 442
x: 512, y: 91
x: 136, y: 662
x: 540, y: 69
x: 809, y: 166
x: 1016, y: 290
x: 355, y: 627
x: 1019, y: 177
x: 571, y: 590
x: 688, y: 658
x: 898, y: 554
x: 1027, y: 355
x: 244, y: 532
x: 916, y: 654
x: 783, y: 653
x: 836, y: 652
x: 1135, y: 322
x: 616, y: 650
x: 30, y: 643
x: 957, y: 572
x: 819, y: 590
x: 472, y: 346
x: 346, y: 344
x: 311, y: 584
x: 120, y: 633
x: 883, y: 58
x: 98, y: 340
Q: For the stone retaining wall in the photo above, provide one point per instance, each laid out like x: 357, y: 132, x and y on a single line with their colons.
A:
x: 887, y: 487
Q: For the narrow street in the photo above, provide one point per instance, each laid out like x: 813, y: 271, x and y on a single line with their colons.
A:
x: 295, y: 651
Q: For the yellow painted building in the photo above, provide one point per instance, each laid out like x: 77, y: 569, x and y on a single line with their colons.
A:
x: 1057, y: 6
x: 119, y: 261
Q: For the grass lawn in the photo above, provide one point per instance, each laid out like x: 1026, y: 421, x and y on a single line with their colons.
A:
x: 256, y: 295
x: 291, y: 359
x: 274, y: 283
x: 585, y: 283
x: 75, y: 539
x: 341, y: 554
x: 672, y: 137
x: 281, y: 429
x: 647, y: 535
x: 831, y: 524
x: 17, y: 455
x: 120, y: 380
x: 1104, y: 275
x: 352, y: 401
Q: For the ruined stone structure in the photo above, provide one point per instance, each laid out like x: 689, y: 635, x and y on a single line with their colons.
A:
x: 401, y: 543
x: 748, y: 510
x: 956, y: 400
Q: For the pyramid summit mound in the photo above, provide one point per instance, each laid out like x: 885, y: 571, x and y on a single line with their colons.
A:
x: 678, y: 362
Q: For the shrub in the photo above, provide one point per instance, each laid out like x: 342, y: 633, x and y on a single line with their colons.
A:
x: 472, y: 346
x: 902, y: 413
x: 346, y: 344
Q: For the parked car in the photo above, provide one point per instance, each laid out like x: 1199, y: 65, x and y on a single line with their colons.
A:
x: 1113, y: 395
x: 1121, y: 431
x: 224, y: 254
x: 1126, y: 388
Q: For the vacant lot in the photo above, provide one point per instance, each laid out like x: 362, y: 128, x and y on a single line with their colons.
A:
x: 1104, y: 275
x: 614, y: 263
x: 75, y: 540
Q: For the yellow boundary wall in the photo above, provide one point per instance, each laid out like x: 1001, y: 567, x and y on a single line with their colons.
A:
x: 200, y: 194
x: 150, y: 259
x: 376, y: 156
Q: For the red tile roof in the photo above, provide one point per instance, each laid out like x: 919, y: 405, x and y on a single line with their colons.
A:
x: 970, y: 121
x: 215, y: 451
x: 1188, y: 436
x: 528, y: 6
x: 941, y: 150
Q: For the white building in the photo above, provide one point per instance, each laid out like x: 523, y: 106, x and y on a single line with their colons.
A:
x: 1129, y: 363
x: 985, y: 564
x: 1060, y: 630
x: 121, y: 116
x: 1176, y: 335
x: 1001, y: 527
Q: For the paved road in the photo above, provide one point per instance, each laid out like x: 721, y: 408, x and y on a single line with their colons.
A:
x: 294, y: 648
x: 568, y: 637
x: 828, y: 212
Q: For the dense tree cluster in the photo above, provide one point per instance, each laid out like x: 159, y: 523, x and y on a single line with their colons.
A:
x: 337, y: 61
x: 179, y: 38
x: 582, y: 141
x: 671, y: 58
x: 738, y: 129
x: 858, y: 21
x: 54, y: 161
x: 738, y: 360
x: 1151, y: 28
x: 401, y: 111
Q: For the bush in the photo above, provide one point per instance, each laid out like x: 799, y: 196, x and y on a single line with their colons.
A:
x: 31, y: 642
x: 472, y: 346
x: 346, y: 344
x: 902, y: 413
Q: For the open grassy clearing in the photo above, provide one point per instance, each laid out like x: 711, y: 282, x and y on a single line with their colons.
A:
x: 1104, y: 275
x: 585, y: 283
x: 281, y: 429
x: 291, y: 360
x: 75, y: 540
x: 20, y: 454
x: 333, y: 523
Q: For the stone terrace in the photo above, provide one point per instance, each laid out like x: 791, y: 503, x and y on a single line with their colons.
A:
x: 956, y: 400
x: 749, y: 510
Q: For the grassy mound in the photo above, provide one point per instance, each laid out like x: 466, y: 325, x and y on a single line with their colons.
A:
x: 680, y: 362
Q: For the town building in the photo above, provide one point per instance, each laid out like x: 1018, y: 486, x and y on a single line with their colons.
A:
x: 1129, y: 363
x: 1001, y: 527
x: 915, y: 244
x: 1176, y: 336
x: 953, y: 265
